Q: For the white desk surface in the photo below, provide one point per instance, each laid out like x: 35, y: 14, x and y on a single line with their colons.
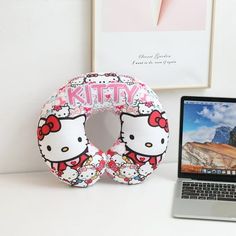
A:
x: 38, y: 204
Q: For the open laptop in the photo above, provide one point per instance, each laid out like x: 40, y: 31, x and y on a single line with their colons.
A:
x: 206, y: 187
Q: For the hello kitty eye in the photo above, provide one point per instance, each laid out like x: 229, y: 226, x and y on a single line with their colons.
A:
x: 49, y: 148
x: 162, y: 140
x: 81, y: 175
x: 131, y: 137
x: 92, y: 173
x: 80, y: 139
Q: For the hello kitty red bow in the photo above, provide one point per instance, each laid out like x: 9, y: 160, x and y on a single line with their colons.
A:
x: 155, y: 119
x: 57, y: 107
x: 149, y: 104
x: 52, y: 124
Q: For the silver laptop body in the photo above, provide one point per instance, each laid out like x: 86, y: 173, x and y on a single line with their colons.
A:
x: 206, y: 187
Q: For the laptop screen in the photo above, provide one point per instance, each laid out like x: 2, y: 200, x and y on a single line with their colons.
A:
x: 208, y: 142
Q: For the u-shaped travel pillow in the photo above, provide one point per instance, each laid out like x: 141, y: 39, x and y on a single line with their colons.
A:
x: 135, y: 154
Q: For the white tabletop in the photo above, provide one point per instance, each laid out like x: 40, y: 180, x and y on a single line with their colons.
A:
x: 38, y: 204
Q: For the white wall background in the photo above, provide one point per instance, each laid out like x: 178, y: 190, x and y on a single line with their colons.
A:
x: 43, y: 43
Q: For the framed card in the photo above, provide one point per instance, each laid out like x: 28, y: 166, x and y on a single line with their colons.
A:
x: 165, y: 43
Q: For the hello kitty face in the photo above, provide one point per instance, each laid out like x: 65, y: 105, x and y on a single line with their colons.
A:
x: 96, y: 159
x: 87, y: 172
x: 102, y: 79
x: 128, y: 170
x: 145, y: 108
x: 69, y: 174
x: 77, y: 81
x: 127, y: 80
x: 118, y: 159
x: 143, y: 134
x: 61, y: 111
x: 145, y: 169
x: 62, y: 139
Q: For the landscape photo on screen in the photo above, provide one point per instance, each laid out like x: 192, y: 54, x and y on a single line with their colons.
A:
x: 209, y: 138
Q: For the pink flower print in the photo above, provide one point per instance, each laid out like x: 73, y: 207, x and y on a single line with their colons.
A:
x: 143, y: 99
x: 108, y: 97
x: 120, y: 107
x: 60, y: 101
x: 87, y: 109
x: 132, y: 110
x: 75, y: 111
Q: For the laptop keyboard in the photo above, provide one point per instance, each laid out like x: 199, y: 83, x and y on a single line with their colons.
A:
x: 209, y: 191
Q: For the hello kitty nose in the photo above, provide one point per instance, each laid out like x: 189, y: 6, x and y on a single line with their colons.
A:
x: 64, y: 149
x: 148, y: 145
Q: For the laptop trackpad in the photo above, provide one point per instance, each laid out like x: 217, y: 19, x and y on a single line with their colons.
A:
x: 204, y: 209
x: 227, y: 209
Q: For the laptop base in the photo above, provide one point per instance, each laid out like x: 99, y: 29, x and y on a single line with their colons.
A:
x: 201, y: 209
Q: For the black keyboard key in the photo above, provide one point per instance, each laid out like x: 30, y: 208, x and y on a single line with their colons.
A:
x: 226, y: 199
x: 211, y: 198
x: 185, y: 196
x: 193, y: 197
x: 202, y: 198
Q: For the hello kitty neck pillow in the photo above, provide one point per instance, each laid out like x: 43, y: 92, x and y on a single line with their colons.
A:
x: 136, y: 153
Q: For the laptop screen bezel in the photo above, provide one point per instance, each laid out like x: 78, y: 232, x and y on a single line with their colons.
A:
x: 211, y: 177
